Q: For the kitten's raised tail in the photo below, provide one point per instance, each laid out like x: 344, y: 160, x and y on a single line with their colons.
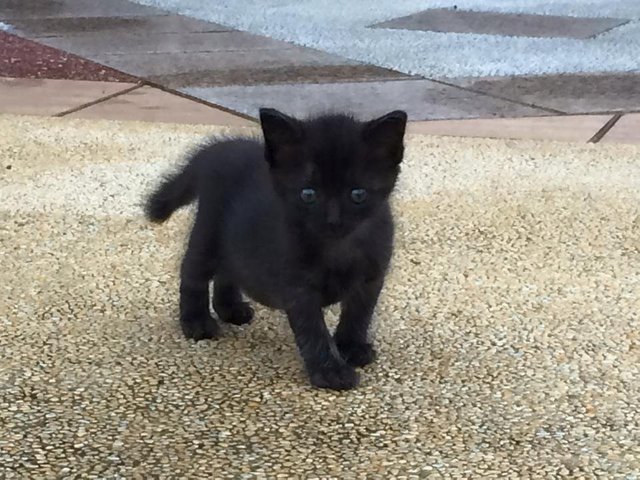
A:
x: 176, y: 190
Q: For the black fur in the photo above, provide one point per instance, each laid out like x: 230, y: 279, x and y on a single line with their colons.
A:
x: 176, y: 190
x: 254, y: 234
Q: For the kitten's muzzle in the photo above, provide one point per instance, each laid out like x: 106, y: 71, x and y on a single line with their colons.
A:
x: 334, y: 219
x: 336, y: 229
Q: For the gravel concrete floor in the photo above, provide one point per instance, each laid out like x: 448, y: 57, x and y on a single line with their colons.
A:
x: 509, y: 332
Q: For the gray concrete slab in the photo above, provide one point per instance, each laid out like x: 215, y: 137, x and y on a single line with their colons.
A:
x: 23, y: 9
x: 489, y: 23
x: 196, y: 69
x: 48, y: 27
x: 570, y: 93
x: 278, y: 74
x: 422, y: 99
x: 94, y: 44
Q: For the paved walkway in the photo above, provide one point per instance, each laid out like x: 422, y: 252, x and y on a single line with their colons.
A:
x: 238, y: 72
x: 508, y: 331
x: 446, y: 39
x: 142, y: 102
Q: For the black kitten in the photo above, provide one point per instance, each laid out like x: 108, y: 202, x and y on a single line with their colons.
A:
x: 297, y: 223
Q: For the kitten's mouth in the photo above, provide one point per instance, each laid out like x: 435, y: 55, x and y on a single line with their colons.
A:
x: 336, y: 232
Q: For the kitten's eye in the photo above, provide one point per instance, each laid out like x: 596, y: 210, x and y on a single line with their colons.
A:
x: 358, y: 195
x: 308, y: 195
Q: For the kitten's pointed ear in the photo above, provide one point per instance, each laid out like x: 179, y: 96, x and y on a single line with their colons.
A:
x: 386, y: 135
x: 281, y: 132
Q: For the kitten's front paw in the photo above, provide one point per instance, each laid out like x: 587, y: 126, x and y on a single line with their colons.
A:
x: 357, y: 354
x: 335, y: 376
x: 237, y: 314
x: 200, y: 328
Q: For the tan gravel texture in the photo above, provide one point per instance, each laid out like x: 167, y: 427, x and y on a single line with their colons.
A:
x: 508, y: 333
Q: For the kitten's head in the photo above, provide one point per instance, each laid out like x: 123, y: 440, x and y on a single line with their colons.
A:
x: 333, y: 172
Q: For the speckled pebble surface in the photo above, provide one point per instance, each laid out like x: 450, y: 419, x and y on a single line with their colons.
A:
x: 509, y: 332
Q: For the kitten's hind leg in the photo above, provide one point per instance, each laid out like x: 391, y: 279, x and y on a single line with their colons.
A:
x: 195, y: 318
x: 228, y: 302
x: 198, y: 267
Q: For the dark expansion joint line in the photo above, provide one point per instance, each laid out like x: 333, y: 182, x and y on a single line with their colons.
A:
x: 498, y: 97
x: 99, y: 100
x: 201, y: 101
x: 605, y: 128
